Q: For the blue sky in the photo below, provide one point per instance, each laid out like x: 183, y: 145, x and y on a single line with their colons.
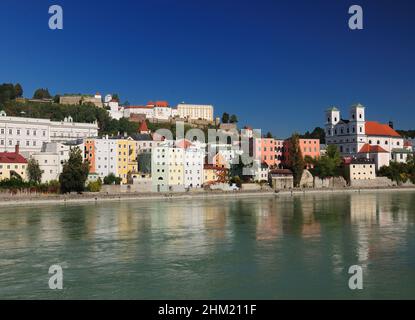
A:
x: 276, y: 64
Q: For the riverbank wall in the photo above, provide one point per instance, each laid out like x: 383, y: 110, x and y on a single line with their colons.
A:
x: 7, y: 200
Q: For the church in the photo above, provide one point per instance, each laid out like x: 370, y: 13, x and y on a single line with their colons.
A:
x: 358, y: 138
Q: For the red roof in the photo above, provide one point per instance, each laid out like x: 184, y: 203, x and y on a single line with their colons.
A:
x: 11, y: 157
x: 367, y: 148
x: 374, y: 128
x: 407, y: 143
x: 143, y: 127
x: 163, y: 104
x: 184, y: 144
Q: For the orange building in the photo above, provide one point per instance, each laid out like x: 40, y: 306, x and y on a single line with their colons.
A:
x: 308, y: 147
x: 90, y: 154
x: 269, y: 151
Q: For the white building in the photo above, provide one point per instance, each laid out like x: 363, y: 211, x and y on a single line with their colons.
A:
x: 115, y: 110
x: 361, y: 169
x: 105, y: 157
x: 175, y: 166
x: 31, y: 133
x: 49, y: 164
x: 195, y: 111
x: 357, y: 137
x: 159, y: 110
x: 193, y: 166
x: 52, y: 157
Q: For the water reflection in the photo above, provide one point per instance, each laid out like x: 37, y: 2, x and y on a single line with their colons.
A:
x: 270, y: 247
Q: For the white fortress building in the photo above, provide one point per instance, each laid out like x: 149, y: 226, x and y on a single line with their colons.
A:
x: 161, y: 110
x: 31, y: 133
x: 358, y: 138
x: 195, y: 111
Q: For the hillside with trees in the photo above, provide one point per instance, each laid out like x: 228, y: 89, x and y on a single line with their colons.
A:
x: 57, y: 112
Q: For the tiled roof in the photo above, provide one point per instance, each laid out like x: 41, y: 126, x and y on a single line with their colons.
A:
x: 184, y: 144
x: 143, y: 127
x: 374, y: 128
x: 11, y: 157
x: 163, y: 104
x: 142, y: 137
x: 367, y: 148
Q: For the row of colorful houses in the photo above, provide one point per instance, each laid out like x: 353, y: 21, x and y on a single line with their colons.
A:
x: 185, y: 164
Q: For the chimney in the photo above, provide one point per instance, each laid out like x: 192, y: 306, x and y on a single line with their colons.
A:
x: 16, y: 149
x: 391, y: 124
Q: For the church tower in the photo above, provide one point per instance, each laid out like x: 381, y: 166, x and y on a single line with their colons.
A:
x: 357, y: 118
x: 332, y: 119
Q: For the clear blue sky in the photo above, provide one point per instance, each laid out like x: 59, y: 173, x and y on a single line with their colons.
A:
x: 276, y: 64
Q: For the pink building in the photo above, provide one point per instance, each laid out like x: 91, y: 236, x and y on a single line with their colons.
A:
x: 269, y: 151
x: 265, y: 150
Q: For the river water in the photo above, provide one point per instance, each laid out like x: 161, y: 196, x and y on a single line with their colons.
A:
x: 241, y: 248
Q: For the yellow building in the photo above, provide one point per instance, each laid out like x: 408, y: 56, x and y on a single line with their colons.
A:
x: 361, y: 169
x: 176, y: 161
x: 13, y: 164
x: 126, y: 158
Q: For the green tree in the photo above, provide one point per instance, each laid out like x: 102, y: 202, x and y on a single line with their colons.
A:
x: 112, y: 179
x: 42, y: 94
x: 225, y: 117
x: 94, y: 186
x: 269, y: 135
x: 317, y: 133
x: 33, y: 171
x: 116, y: 97
x: 296, y: 159
x: 74, y: 173
x: 233, y: 119
x: 18, y: 90
x: 7, y: 92
x: 329, y: 165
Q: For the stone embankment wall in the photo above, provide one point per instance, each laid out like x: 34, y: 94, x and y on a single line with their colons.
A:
x: 308, y: 181
x: 374, y: 183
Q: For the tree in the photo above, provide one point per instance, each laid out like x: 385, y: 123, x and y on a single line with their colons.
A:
x: 115, y: 97
x: 317, y: 133
x: 74, y: 173
x: 18, y: 90
x: 233, y: 119
x: 269, y: 135
x: 225, y: 117
x: 94, y: 186
x: 112, y: 179
x: 296, y: 159
x: 42, y: 94
x: 33, y: 171
x: 329, y: 165
x: 7, y: 92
